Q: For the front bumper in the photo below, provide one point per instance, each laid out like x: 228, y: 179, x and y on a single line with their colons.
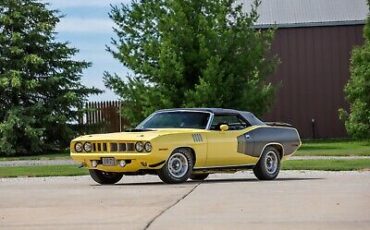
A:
x: 134, y: 161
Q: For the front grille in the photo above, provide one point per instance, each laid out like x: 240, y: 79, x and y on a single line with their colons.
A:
x: 115, y: 147
x: 122, y: 147
x: 130, y: 147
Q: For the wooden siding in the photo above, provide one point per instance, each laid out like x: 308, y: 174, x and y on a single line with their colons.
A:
x: 313, y: 71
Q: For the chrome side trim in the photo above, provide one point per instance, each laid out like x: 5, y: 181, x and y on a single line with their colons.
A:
x: 224, y: 166
x: 208, y: 127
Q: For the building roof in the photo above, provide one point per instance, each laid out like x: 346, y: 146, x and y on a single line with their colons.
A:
x: 307, y: 13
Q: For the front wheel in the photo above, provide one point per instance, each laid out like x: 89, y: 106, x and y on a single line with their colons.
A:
x: 177, y: 168
x: 102, y: 177
x: 268, y: 166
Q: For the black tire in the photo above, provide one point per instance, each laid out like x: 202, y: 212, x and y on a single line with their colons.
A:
x: 102, y: 177
x: 181, y: 160
x: 200, y: 176
x: 268, y: 166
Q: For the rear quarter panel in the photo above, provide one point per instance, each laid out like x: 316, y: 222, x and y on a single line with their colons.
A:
x: 253, y: 142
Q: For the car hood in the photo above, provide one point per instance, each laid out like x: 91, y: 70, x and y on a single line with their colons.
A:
x: 135, y: 135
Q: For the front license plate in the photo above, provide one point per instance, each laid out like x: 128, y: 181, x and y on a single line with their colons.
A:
x: 108, y: 161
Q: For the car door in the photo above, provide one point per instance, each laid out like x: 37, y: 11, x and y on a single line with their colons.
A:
x: 222, y: 145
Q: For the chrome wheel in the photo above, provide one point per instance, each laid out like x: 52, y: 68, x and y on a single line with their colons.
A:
x: 178, y: 165
x: 271, y: 162
x: 268, y: 166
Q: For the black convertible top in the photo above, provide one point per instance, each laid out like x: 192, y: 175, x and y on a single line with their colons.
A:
x: 253, y: 120
x: 211, y: 110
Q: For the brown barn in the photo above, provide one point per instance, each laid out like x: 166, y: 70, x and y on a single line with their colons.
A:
x: 314, y: 40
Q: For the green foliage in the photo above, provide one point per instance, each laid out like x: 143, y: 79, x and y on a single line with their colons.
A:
x: 190, y: 53
x: 357, y: 90
x: 40, y: 88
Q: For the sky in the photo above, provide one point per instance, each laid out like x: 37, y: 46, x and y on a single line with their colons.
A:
x: 87, y: 27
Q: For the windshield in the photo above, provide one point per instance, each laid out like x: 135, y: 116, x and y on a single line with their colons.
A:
x: 177, y: 119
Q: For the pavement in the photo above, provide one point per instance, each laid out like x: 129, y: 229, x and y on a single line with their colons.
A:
x: 296, y: 200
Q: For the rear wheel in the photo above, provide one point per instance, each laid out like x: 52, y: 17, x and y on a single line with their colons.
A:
x: 200, y: 176
x: 177, y: 168
x: 268, y: 166
x: 102, y: 177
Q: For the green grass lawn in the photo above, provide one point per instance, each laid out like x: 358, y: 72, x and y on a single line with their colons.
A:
x: 309, y: 148
x: 334, y: 148
x: 41, y: 171
x: 327, y: 165
x: 72, y: 170
x: 49, y: 156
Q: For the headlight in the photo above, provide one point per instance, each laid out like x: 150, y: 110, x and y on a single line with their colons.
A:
x: 139, y: 146
x: 88, y: 147
x: 148, y: 147
x: 78, y: 147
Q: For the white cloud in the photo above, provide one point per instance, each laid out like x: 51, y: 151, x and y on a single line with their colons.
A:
x: 85, y: 25
x: 83, y: 3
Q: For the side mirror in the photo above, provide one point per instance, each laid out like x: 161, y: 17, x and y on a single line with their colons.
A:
x: 224, y: 127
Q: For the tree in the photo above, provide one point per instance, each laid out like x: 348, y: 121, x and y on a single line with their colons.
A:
x: 190, y: 53
x: 357, y: 90
x: 40, y: 88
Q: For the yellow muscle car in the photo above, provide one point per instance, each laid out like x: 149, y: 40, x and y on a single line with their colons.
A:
x: 177, y: 144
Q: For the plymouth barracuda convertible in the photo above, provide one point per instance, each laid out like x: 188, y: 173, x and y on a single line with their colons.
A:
x: 178, y: 144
